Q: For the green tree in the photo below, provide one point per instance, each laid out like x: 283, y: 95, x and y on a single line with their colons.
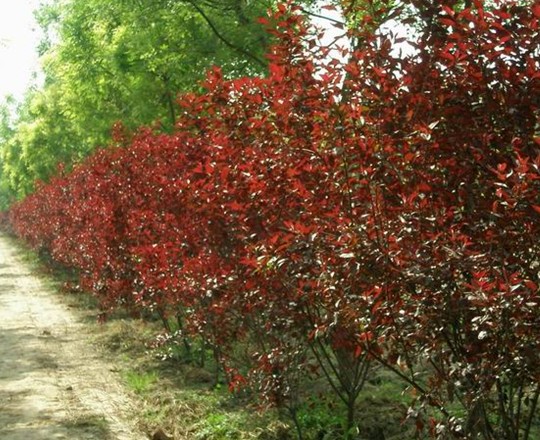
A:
x: 126, y: 61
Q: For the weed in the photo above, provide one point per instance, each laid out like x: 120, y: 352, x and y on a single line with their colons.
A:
x: 140, y: 382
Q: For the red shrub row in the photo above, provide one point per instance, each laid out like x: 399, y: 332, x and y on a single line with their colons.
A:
x: 390, y: 213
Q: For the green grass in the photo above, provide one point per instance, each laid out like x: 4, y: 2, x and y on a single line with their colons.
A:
x: 140, y: 382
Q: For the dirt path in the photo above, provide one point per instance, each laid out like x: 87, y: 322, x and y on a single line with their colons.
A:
x: 53, y: 383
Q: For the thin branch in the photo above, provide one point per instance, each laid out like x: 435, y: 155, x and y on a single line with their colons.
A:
x: 222, y: 38
x: 327, y: 373
x: 410, y: 380
x: 323, y: 17
x: 532, y: 412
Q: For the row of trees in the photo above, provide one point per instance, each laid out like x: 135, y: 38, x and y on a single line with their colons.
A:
x: 346, y: 210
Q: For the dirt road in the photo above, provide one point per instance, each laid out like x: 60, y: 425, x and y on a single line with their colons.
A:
x: 53, y: 382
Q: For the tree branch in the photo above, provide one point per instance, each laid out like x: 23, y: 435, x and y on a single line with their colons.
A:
x: 222, y: 38
x: 323, y: 17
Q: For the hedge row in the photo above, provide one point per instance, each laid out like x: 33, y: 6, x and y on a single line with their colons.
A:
x: 335, y: 215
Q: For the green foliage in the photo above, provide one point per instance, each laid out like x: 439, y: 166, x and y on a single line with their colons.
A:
x: 140, y: 382
x: 109, y: 61
x: 127, y: 60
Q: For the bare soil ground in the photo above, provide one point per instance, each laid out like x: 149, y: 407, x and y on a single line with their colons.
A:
x: 54, y: 384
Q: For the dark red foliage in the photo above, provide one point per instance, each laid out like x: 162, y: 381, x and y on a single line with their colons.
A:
x: 381, y: 206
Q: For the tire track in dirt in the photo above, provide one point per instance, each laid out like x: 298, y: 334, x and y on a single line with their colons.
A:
x: 53, y: 383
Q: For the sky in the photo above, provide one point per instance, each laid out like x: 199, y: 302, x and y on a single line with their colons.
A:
x: 19, y: 37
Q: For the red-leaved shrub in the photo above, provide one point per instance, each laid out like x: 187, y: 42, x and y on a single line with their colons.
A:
x: 371, y: 208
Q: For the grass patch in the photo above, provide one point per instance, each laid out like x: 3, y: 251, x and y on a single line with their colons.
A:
x: 140, y: 382
x: 179, y: 397
x: 90, y: 424
x: 200, y: 414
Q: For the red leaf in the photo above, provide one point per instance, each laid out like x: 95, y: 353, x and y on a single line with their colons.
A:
x: 235, y: 206
x: 448, y: 22
x: 251, y: 262
x: 276, y: 71
x: 448, y: 56
x: 198, y: 169
x: 424, y: 187
x: 531, y: 285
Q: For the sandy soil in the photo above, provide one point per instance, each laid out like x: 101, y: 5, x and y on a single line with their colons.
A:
x: 53, y: 383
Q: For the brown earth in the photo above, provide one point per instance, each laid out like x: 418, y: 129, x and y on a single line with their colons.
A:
x: 54, y: 384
